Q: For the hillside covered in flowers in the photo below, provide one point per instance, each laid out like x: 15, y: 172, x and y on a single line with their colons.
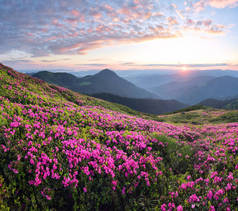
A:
x: 62, y: 150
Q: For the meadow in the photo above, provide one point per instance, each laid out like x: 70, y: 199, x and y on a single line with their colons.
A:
x: 200, y: 115
x: 62, y: 150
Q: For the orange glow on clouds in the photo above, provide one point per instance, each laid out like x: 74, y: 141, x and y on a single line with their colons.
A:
x: 134, y: 34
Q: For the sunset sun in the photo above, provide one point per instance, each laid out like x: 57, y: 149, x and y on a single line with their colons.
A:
x: 184, y: 69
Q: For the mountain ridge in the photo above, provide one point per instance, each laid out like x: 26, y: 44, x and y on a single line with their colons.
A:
x: 151, y: 106
x: 103, y: 81
x: 221, y: 104
x: 198, y: 89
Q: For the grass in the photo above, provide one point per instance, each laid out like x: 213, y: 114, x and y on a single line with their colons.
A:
x: 191, y: 108
x: 86, y: 83
x: 230, y: 116
x: 201, y: 116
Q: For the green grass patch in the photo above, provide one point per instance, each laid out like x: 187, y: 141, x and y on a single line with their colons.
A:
x: 191, y: 108
x: 86, y: 83
x: 228, y: 117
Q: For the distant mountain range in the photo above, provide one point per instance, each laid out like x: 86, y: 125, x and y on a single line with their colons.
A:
x: 107, y: 85
x: 152, y: 106
x: 150, y: 79
x: 188, y: 88
x: 105, y: 81
x: 199, y: 88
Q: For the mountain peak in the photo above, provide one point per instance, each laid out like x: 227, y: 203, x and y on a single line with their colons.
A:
x: 106, y: 72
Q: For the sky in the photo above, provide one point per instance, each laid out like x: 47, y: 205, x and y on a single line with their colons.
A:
x: 119, y: 34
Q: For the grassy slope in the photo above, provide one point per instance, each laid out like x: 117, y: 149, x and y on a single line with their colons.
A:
x: 199, y: 115
x: 53, y: 93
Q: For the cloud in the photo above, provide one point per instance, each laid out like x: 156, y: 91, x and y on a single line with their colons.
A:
x: 131, y: 64
x: 46, y: 27
x: 223, y: 3
x: 49, y: 27
x: 16, y: 61
x: 190, y: 65
x: 172, y: 20
x: 208, y: 65
x: 205, y: 25
x: 15, y: 55
x: 201, y: 4
x: 93, y: 64
x: 54, y: 60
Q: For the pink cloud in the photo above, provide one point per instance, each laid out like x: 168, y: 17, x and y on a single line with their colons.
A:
x: 216, y: 29
x: 172, y: 20
x: 147, y: 15
x: 72, y: 21
x: 74, y: 34
x: 222, y: 3
x: 174, y: 6
x: 190, y: 22
x: 45, y: 29
x: 51, y: 38
x: 207, y: 22
x: 115, y: 19
x: 179, y: 13
x: 77, y: 16
x: 56, y: 22
x: 200, y: 5
x: 97, y: 15
x: 89, y: 46
x: 75, y: 13
x: 108, y: 7
x: 206, y: 25
x: 124, y: 11
x: 82, y: 47
x: 69, y: 48
x: 29, y: 34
